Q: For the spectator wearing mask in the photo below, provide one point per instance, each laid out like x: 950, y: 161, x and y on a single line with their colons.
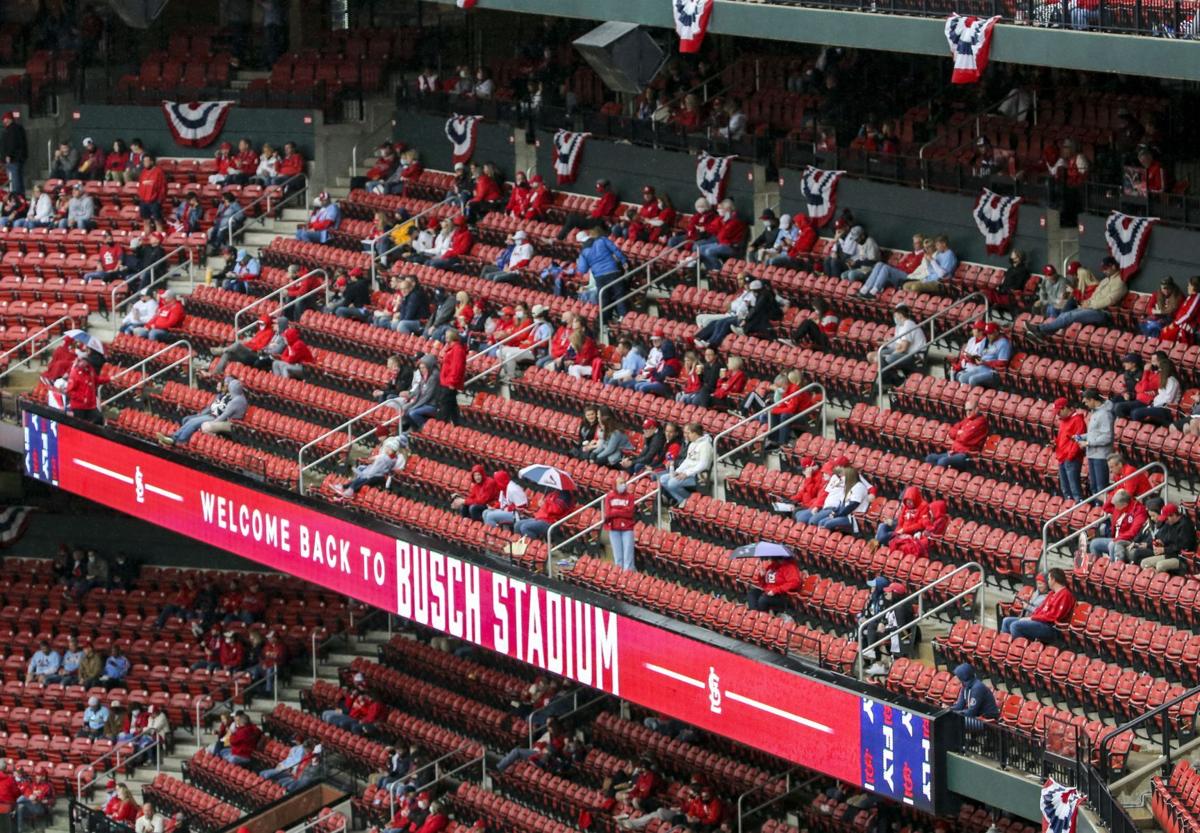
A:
x: 325, y: 219
x: 116, y: 669
x: 68, y: 669
x: 112, y: 261
x: 356, y: 297
x: 606, y: 264
x: 1186, y: 321
x: 1161, y: 408
x: 482, y: 493
x: 295, y: 357
x: 459, y: 246
x: 1174, y: 536
x: 611, y: 450
x: 1055, y: 610
x: 511, y: 502
x: 975, y: 701
x: 246, y: 270
x: 1135, y: 387
x: 1161, y: 308
x: 91, y: 162
x: 716, y: 327
x: 91, y: 667
x: 116, y: 163
x: 653, y: 449
x: 1125, y: 525
x: 847, y: 496
x: 189, y: 215
x: 680, y: 482
x: 515, y: 256
x: 915, y: 262
x: 1067, y: 451
x: 939, y: 269
x: 1097, y: 441
x: 774, y: 579
x: 122, y: 808
x: 620, y: 510
x: 965, y: 439
x: 424, y: 402
x: 36, y: 800
x: 452, y: 375
x: 95, y: 718
x: 1092, y: 310
x: 229, y: 406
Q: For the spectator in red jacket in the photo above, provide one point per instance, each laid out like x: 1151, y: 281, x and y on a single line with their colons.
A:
x: 704, y: 812
x: 486, y: 194
x: 231, y: 656
x: 730, y: 239
x: 170, y: 315
x: 483, y: 492
x: 240, y: 742
x: 385, y: 163
x: 773, y: 580
x: 295, y: 356
x: 539, y: 199
x: 243, y: 165
x: 911, y: 518
x: 81, y: 390
x: 602, y: 213
x: 1126, y: 523
x: 811, y: 494
x: 359, y: 711
x: 555, y: 506
x: 116, y: 162
x: 152, y: 190
x: 965, y: 438
x: 619, y: 509
x: 1067, y: 450
x: 701, y: 225
x: 121, y: 807
x: 453, y: 374
x: 291, y: 165
x: 460, y: 246
x: 1124, y: 475
x: 791, y: 403
x: 1055, y: 610
x: 731, y: 384
x: 518, y: 197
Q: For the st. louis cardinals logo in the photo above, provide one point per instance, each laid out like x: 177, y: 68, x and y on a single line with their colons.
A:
x: 714, y: 691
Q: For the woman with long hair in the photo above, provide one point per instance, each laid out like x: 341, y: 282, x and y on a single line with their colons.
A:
x: 1160, y: 411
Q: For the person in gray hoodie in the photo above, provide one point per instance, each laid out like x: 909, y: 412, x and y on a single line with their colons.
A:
x: 390, y: 459
x: 230, y: 405
x: 425, y: 402
x: 1098, y: 442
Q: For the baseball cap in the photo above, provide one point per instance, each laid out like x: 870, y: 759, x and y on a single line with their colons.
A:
x: 1049, y: 269
x: 756, y: 284
x: 520, y: 235
x: 1132, y: 358
x: 767, y: 214
x: 356, y: 272
x: 659, y: 332
x: 1109, y: 261
x: 895, y: 587
x: 1168, y: 511
x: 841, y: 462
x: 649, y: 424
x: 990, y: 328
x: 1073, y: 267
x: 1060, y: 403
x: 978, y: 325
x: 460, y: 221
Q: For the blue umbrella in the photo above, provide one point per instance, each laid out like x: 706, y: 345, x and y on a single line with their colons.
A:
x: 762, y: 549
x: 548, y: 476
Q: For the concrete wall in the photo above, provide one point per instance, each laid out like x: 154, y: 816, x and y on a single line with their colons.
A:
x: 428, y: 134
x: 1172, y: 252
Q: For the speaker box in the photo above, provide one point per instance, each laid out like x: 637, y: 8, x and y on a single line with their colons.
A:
x: 623, y: 54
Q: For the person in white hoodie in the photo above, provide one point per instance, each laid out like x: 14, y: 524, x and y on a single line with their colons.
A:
x: 41, y: 210
x: 681, y: 482
x: 847, y: 497
x: 141, y: 312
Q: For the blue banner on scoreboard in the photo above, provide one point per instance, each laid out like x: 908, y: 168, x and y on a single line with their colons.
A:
x: 897, y: 753
x: 41, y: 448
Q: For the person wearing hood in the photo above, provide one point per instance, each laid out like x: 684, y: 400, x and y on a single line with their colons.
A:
x: 246, y: 268
x: 294, y: 358
x: 443, y: 314
x: 1097, y: 440
x: 511, y: 501
x: 911, y: 518
x: 229, y: 406
x: 730, y: 238
x: 861, y: 264
x: 774, y: 578
x: 1024, y: 609
x: 390, y: 458
x: 452, y: 375
x: 425, y: 399
x: 140, y: 313
x: 975, y: 702
x: 483, y: 491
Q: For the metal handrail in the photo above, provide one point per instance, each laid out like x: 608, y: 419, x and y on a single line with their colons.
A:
x: 933, y: 337
x: 191, y: 353
x: 37, y: 351
x: 415, y: 220
x: 788, y: 790
x: 435, y: 764
x: 576, y: 707
x: 646, y: 287
x: 551, y: 547
x: 116, y: 307
x: 1112, y: 487
x: 500, y: 363
x: 266, y: 196
x: 717, y: 458
x: 918, y: 596
x: 370, y: 137
x: 510, y: 337
x: 350, y: 441
x: 1132, y: 725
x: 342, y: 634
x: 156, y: 745
x: 224, y: 704
x: 281, y: 292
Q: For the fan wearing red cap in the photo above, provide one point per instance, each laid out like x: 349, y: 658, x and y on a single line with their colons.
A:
x: 1053, y: 292
x: 963, y: 439
x: 654, y: 449
x: 1174, y: 535
x: 995, y: 352
x: 324, y: 220
x: 1067, y: 451
x: 459, y: 246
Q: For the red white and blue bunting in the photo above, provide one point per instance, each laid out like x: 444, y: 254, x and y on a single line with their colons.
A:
x: 196, y: 124
x: 820, y: 194
x: 691, y: 22
x: 1060, y: 807
x: 712, y: 175
x: 465, y: 4
x: 461, y: 131
x: 996, y: 218
x: 1127, y: 239
x: 970, y: 40
x: 568, y: 151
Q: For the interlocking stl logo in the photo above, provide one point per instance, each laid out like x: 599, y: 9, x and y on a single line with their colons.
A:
x: 139, y: 485
x: 714, y: 691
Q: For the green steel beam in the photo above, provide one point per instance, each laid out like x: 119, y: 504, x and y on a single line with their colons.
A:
x: 1091, y: 51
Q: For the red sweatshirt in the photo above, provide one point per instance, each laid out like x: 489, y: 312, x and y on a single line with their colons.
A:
x: 460, y: 244
x: 295, y: 351
x: 812, y: 491
x: 618, y: 511
x: 535, y: 207
x: 246, y: 162
x: 553, y: 508
x: 732, y: 233
x: 483, y: 493
x: 968, y: 435
x: 110, y: 257
x: 1065, y: 447
x: 731, y: 384
x: 486, y: 189
x: 804, y: 242
x: 152, y: 186
x: 454, y: 366
x: 290, y: 165
x: 1128, y: 522
x: 262, y: 338
x: 81, y: 386
x: 779, y: 577
x: 913, y: 516
x: 605, y: 207
x: 518, y: 199
x: 698, y: 225
x: 1056, y: 607
x: 244, y: 740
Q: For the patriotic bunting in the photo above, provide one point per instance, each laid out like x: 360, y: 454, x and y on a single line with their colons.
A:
x: 712, y: 175
x: 996, y: 217
x: 1060, y: 807
x: 970, y: 40
x: 691, y: 22
x: 1127, y: 238
x: 196, y: 124
x: 461, y: 131
x: 13, y: 522
x: 465, y: 4
x: 568, y: 151
x: 820, y: 194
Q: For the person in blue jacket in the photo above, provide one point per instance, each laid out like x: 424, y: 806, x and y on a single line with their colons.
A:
x: 608, y: 264
x: 975, y: 701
